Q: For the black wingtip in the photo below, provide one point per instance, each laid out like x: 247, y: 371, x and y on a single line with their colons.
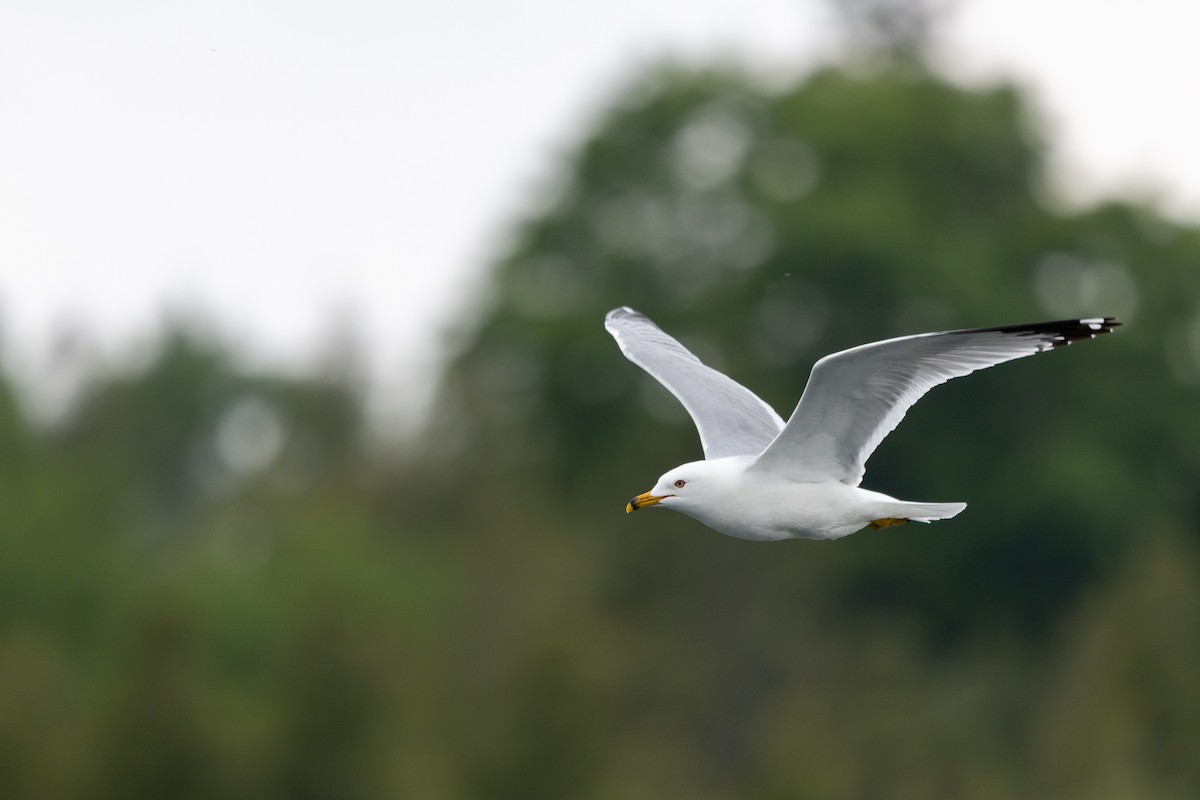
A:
x: 1058, y: 333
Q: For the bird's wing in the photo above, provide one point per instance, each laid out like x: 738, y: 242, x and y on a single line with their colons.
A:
x: 858, y: 396
x: 731, y: 419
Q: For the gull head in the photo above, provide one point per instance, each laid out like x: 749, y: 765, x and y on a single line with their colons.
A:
x: 694, y: 488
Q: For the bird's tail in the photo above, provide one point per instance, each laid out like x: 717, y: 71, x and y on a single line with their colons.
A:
x: 928, y: 512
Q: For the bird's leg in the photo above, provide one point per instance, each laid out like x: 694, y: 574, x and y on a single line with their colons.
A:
x: 886, y: 522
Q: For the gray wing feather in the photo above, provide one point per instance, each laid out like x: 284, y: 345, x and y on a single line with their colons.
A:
x: 857, y: 397
x: 731, y: 419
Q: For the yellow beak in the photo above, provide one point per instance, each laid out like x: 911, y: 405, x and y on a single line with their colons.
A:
x: 643, y: 501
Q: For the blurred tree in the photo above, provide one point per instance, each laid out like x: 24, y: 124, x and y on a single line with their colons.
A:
x: 202, y: 426
x: 209, y: 587
x: 766, y: 228
x: 895, y: 33
x: 1121, y: 713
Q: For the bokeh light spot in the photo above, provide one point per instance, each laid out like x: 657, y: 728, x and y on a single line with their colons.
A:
x: 710, y: 148
x: 250, y: 436
x: 1067, y: 285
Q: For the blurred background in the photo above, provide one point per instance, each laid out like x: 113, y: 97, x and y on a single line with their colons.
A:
x: 314, y: 452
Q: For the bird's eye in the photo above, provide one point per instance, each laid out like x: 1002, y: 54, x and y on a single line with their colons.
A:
x: 679, y: 484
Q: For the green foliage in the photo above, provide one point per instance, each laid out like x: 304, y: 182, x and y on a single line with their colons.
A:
x: 209, y: 586
x: 769, y: 228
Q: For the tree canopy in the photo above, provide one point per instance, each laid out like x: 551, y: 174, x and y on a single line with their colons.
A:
x: 212, y: 587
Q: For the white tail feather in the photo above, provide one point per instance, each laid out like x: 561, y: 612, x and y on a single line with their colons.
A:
x: 928, y: 512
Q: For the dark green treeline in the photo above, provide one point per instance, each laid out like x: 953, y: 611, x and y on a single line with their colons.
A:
x: 212, y: 585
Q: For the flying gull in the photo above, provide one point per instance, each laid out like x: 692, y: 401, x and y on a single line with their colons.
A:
x: 764, y: 479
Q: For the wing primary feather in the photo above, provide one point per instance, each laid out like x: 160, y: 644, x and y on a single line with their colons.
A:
x: 730, y: 419
x: 856, y: 397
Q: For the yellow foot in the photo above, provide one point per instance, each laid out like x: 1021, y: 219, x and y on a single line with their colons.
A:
x: 886, y: 522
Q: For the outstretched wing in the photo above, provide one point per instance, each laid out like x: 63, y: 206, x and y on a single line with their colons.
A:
x: 858, y: 396
x: 731, y: 419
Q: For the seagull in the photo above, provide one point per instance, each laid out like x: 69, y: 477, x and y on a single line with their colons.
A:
x: 762, y: 479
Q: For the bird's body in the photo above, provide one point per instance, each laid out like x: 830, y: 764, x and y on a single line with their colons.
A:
x: 763, y: 479
x: 737, y: 501
x: 744, y: 505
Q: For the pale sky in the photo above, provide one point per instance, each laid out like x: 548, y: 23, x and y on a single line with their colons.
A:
x: 279, y: 165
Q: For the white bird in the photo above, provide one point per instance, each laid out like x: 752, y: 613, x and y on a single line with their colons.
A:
x: 761, y: 479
